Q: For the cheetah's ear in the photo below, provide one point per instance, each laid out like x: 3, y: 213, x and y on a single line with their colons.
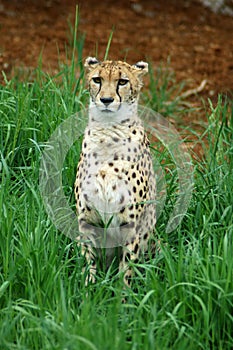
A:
x: 91, y: 63
x: 141, y: 67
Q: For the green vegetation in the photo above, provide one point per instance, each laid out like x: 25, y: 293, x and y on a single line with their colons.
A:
x: 181, y: 299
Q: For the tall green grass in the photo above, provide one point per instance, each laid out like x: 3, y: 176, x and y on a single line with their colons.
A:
x: 181, y: 299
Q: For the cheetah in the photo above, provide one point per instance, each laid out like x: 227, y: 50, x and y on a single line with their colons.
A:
x: 115, y: 186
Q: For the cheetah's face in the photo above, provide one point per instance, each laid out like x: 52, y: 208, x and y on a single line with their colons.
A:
x: 113, y: 84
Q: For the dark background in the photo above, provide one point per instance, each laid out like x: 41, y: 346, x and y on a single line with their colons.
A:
x: 198, y: 42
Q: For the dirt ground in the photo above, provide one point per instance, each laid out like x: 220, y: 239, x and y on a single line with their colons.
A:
x: 198, y: 42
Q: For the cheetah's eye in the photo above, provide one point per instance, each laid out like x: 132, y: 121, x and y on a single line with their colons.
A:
x: 122, y: 82
x: 96, y: 80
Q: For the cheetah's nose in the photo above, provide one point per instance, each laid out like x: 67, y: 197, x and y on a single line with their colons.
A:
x: 106, y: 100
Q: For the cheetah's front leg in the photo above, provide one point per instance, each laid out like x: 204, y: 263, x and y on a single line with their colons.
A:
x: 88, y: 254
x: 130, y: 253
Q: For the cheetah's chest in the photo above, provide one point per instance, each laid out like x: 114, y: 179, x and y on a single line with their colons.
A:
x: 113, y: 173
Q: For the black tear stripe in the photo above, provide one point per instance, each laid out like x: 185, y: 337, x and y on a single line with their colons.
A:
x: 94, y: 97
x: 117, y: 91
x: 98, y: 90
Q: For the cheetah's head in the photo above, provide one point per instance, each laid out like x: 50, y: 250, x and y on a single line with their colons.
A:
x: 114, y: 84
